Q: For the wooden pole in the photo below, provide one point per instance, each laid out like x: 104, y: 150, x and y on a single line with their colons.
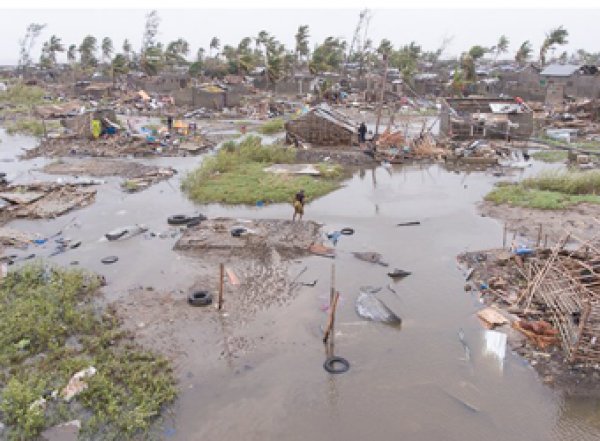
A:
x: 379, y: 108
x: 539, y: 238
x: 332, y: 289
x: 221, y: 285
x: 504, y: 237
x: 331, y: 320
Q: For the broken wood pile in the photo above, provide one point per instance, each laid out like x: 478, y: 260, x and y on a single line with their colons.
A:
x: 43, y: 200
x: 393, y: 147
x: 566, y: 283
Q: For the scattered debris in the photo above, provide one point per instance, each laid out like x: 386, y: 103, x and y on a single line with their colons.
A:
x: 122, y: 233
x: 492, y: 318
x: 44, y: 200
x: 108, y: 260
x: 408, y: 224
x: 76, y: 384
x: 287, y: 237
x: 398, y: 273
x: 495, y: 344
x: 369, y: 256
x: 371, y: 308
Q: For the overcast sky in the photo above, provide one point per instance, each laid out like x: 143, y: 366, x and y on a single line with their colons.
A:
x: 426, y: 27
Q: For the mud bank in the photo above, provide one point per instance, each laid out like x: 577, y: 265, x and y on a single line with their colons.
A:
x: 138, y: 176
x: 343, y: 156
x: 581, y: 219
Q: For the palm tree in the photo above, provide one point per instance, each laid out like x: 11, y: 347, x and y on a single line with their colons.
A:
x: 72, y: 53
x: 200, y: 54
x: 301, y: 37
x: 524, y: 52
x: 49, y: 50
x: 87, y: 51
x: 502, y: 46
x: 107, y: 48
x: 214, y: 44
x: 555, y: 36
x: 385, y: 47
x: 176, y: 51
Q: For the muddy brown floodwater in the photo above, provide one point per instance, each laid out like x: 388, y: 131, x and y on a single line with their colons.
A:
x: 261, y: 378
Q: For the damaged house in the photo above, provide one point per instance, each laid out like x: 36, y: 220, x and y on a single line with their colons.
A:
x: 465, y: 118
x: 324, y: 126
x: 576, y: 80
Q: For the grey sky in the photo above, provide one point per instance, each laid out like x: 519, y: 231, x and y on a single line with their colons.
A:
x: 426, y: 27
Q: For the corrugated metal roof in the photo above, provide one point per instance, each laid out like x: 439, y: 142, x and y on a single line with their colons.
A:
x: 560, y: 70
x: 335, y: 117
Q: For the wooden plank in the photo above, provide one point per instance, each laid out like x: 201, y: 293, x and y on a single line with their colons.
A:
x: 22, y: 198
x: 491, y: 318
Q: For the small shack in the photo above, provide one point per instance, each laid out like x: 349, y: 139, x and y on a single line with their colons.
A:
x: 476, y: 118
x: 92, y: 124
x: 323, y: 126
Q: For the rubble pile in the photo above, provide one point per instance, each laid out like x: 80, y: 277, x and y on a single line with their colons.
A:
x: 43, y: 200
x: 549, y: 296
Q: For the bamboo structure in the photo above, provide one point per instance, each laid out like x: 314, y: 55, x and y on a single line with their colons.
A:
x: 567, y: 283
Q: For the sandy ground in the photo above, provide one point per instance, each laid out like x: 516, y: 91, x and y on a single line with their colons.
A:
x: 581, y: 220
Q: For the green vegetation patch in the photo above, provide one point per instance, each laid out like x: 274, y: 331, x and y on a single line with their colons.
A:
x: 20, y: 94
x: 235, y: 175
x: 550, y: 190
x: 272, y: 126
x: 551, y: 155
x: 24, y: 126
x: 49, y: 330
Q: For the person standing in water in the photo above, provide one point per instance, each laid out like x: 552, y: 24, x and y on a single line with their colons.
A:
x: 298, y: 205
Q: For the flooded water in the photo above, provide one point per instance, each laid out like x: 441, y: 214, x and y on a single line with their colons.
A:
x: 412, y: 383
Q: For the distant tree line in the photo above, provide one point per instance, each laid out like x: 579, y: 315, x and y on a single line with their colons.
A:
x: 272, y: 57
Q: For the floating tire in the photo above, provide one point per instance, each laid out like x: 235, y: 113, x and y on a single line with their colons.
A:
x: 347, y: 231
x: 200, y: 298
x: 336, y: 365
x: 178, y: 219
x: 108, y: 260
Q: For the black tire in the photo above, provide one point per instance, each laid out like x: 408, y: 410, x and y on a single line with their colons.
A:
x: 108, y: 260
x: 195, y: 221
x: 330, y: 363
x: 200, y: 298
x: 178, y: 219
x: 237, y: 232
x: 347, y: 231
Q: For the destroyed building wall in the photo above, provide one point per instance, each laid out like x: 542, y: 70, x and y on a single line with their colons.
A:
x: 163, y: 84
x: 473, y: 118
x: 195, y: 97
x: 318, y: 129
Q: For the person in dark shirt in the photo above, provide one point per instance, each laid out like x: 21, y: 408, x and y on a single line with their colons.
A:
x: 298, y: 205
x: 362, y: 131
